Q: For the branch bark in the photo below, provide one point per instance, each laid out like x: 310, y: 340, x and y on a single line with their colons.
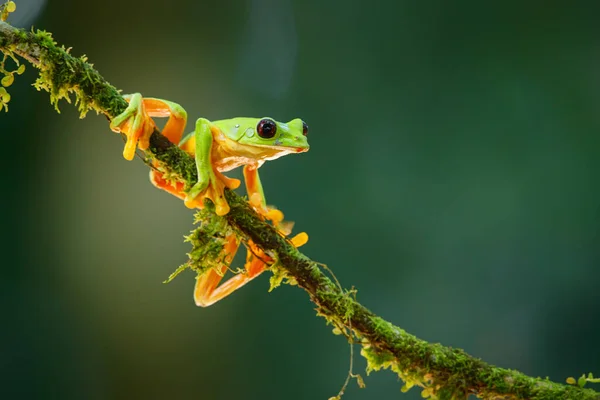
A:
x: 443, y: 372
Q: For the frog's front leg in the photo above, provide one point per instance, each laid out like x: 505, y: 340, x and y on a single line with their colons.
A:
x: 256, y: 198
x: 211, y: 183
x: 256, y: 195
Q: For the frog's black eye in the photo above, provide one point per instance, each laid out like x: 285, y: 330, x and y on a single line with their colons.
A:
x: 304, y: 128
x: 266, y: 128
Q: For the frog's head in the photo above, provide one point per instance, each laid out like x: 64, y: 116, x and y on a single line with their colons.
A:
x: 283, y: 138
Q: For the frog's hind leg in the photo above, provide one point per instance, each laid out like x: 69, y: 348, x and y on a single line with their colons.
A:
x: 137, y: 124
x: 175, y: 125
x: 206, y: 283
x: 175, y: 188
x: 173, y: 130
x: 208, y: 291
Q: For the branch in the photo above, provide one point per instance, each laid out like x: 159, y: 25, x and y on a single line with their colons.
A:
x: 443, y: 372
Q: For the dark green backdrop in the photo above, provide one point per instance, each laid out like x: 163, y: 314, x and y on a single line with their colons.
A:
x: 453, y: 178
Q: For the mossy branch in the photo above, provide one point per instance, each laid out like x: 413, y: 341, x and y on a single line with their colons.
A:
x: 442, y: 372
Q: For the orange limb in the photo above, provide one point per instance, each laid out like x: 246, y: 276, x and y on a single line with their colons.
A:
x: 177, y: 188
x: 175, y: 125
x: 158, y: 180
x: 208, y: 291
x: 137, y: 124
x: 256, y: 196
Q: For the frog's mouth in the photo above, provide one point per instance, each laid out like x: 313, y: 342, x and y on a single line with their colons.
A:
x: 274, y: 152
x: 285, y: 149
x: 298, y: 144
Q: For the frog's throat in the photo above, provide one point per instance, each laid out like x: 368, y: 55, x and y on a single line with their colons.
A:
x: 230, y: 154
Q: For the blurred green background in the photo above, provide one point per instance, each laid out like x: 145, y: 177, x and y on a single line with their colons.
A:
x: 453, y: 178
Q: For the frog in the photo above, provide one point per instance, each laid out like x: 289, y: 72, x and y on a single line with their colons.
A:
x: 217, y: 147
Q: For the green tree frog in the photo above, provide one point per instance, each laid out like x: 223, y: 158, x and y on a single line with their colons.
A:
x: 217, y: 147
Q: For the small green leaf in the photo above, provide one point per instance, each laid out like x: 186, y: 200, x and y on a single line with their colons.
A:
x: 407, y: 386
x: 4, y: 96
x: 11, y: 6
x: 8, y: 80
x: 571, y: 381
x: 581, y: 381
x: 360, y: 381
x: 21, y: 69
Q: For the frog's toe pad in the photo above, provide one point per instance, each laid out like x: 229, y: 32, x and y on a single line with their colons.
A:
x: 215, y: 191
x: 274, y: 215
x: 300, y: 239
x: 230, y: 183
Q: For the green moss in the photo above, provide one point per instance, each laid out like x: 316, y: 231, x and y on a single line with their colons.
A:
x: 175, y: 164
x: 208, y: 242
x: 63, y: 75
x: 280, y: 275
x: 340, y: 303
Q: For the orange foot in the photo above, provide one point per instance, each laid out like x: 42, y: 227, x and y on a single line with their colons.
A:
x: 135, y: 123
